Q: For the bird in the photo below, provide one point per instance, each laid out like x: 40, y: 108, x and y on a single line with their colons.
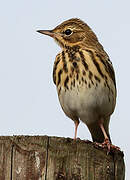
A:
x: 84, y: 77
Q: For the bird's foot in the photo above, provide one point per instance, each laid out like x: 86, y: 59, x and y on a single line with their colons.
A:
x: 109, y: 146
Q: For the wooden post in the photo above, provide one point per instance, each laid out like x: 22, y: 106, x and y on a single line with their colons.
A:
x: 53, y: 158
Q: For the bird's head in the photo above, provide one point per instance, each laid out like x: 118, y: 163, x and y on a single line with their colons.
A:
x: 71, y: 33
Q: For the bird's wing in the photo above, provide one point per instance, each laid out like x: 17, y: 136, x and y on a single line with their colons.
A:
x: 108, y: 67
x: 57, y: 60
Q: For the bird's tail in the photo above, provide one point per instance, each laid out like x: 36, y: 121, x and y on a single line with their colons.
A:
x: 96, y: 132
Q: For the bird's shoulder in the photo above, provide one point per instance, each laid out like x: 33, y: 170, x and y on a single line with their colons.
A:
x: 101, y: 59
x: 105, y: 60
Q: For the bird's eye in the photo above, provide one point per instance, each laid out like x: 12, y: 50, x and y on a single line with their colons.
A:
x: 68, y: 32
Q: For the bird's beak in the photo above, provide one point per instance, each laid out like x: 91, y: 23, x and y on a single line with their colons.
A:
x: 47, y: 32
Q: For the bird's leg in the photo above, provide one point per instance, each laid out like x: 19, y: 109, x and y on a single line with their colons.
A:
x: 76, y: 127
x: 106, y: 139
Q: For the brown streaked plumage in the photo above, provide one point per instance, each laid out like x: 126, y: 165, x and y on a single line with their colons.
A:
x: 84, y: 77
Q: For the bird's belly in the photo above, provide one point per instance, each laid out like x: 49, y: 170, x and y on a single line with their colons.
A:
x: 87, y: 104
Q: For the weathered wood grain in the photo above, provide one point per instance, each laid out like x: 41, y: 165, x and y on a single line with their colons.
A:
x: 53, y: 158
x: 5, y: 158
x: 29, y: 157
x: 80, y: 160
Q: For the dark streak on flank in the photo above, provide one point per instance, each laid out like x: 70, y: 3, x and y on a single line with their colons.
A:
x: 108, y: 67
x: 84, y: 73
x: 95, y: 62
x: 74, y: 82
x: 89, y: 85
x: 97, y: 78
x: 70, y: 75
x: 54, y: 77
x: 85, y: 82
x: 105, y: 84
x: 112, y: 91
x: 54, y: 69
x: 108, y: 85
x: 66, y: 82
x: 77, y: 76
x: 59, y: 90
x: 92, y: 82
x: 83, y: 60
x: 59, y: 76
x: 82, y: 79
x: 105, y: 77
x: 90, y: 75
x: 64, y: 62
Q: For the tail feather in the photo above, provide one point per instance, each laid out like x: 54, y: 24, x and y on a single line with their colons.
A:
x: 96, y: 132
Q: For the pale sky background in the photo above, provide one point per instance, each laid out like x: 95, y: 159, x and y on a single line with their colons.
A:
x: 28, y: 98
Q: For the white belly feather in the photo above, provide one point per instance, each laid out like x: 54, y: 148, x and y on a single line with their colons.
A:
x: 87, y: 104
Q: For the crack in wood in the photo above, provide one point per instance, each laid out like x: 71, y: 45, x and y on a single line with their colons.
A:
x: 47, y: 147
x: 11, y: 170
